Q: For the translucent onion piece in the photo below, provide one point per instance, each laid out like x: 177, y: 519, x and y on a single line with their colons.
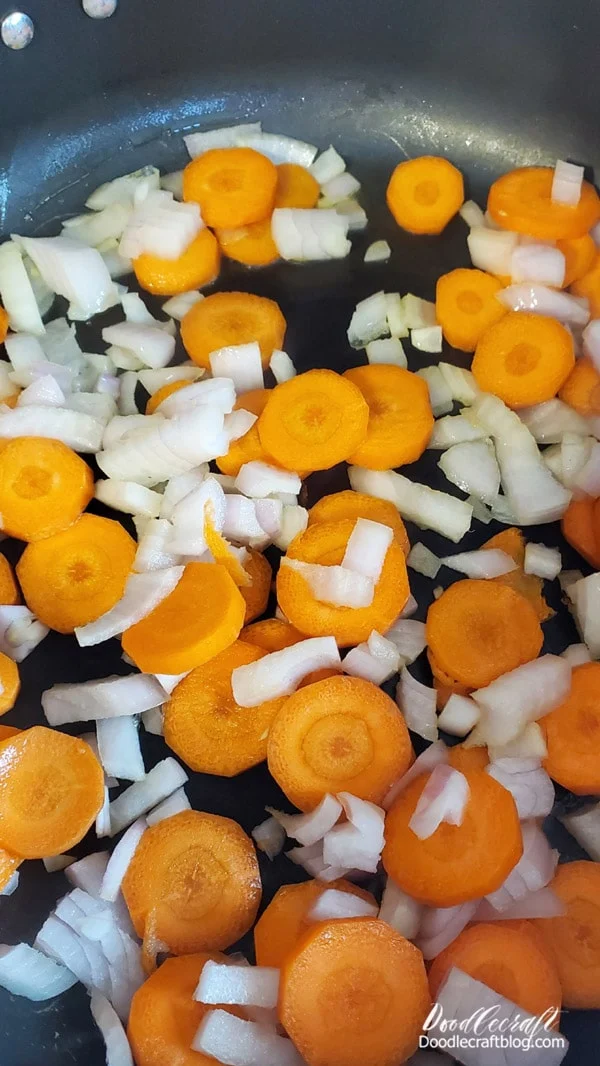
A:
x: 279, y: 673
x: 418, y: 705
x: 243, y: 986
x: 26, y: 972
x: 164, y: 779
x: 522, y: 696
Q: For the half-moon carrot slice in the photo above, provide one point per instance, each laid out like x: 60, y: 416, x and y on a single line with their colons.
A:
x: 574, y: 938
x: 205, y: 726
x: 589, y: 286
x: 196, y: 875
x: 44, y: 487
x: 9, y: 590
x: 251, y: 245
x: 10, y: 683
x: 256, y: 594
x: 234, y: 186
x: 200, y: 618
x: 524, y: 358
x: 521, y: 200
x: 325, y: 543
x: 7, y: 731
x: 271, y: 634
x: 468, y: 759
x: 581, y: 390
x: 400, y: 416
x: 424, y: 194
x: 73, y: 577
x: 456, y: 863
x: 572, y: 734
x: 354, y: 993
x: 350, y: 504
x: 9, y: 864
x: 231, y: 318
x: 196, y: 267
x: 162, y: 393
x: 512, y: 541
x: 246, y: 449
x: 509, y: 957
x: 52, y: 788
x: 341, y: 734
x: 580, y: 255
x: 478, y: 630
x: 579, y: 529
x: 466, y: 305
x: 296, y: 187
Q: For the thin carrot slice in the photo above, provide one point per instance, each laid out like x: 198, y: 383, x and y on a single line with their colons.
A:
x: 196, y: 267
x: 581, y: 390
x: 9, y: 864
x: 524, y: 358
x: 73, y: 577
x: 52, y: 788
x: 200, y: 618
x: 205, y: 726
x: 246, y: 449
x: 7, y: 731
x: 444, y: 684
x: 466, y: 305
x: 313, y: 421
x: 162, y: 393
x: 339, y: 734
x: 468, y: 759
x: 272, y: 634
x: 456, y: 863
x: 589, y: 286
x: 198, y: 875
x: 222, y: 553
x: 350, y: 504
x: 521, y: 200
x: 325, y: 543
x: 506, y: 956
x: 44, y: 487
x: 512, y: 542
x: 354, y: 993
x: 234, y: 186
x: 9, y: 590
x: 400, y: 416
x: 574, y: 938
x: 580, y: 255
x: 165, y: 1017
x: 256, y: 594
x: 424, y: 194
x: 286, y: 919
x: 3, y: 325
x: 580, y: 530
x: 572, y: 734
x: 231, y: 318
x: 296, y: 187
x: 252, y: 245
x: 10, y: 683
x: 319, y: 675
x: 478, y: 630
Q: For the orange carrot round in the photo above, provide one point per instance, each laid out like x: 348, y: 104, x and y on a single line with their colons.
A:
x: 296, y: 187
x: 246, y: 449
x: 271, y: 634
x: 468, y: 759
x: 466, y: 305
x: 162, y: 393
x: 580, y: 530
x: 251, y: 245
x: 230, y: 318
x: 197, y: 266
x: 3, y: 325
x: 524, y: 358
x: 44, y: 487
x: 572, y: 731
x: 75, y: 576
x: 574, y: 938
x: 424, y: 194
x: 400, y: 416
x: 589, y: 286
x: 9, y: 864
x: 350, y: 504
x: 581, y: 390
x: 444, y: 684
x: 339, y: 734
x: 7, y: 731
x: 580, y: 255
x: 234, y: 186
x: 9, y: 590
x: 10, y: 683
x: 521, y: 200
x: 512, y: 541
x: 256, y: 594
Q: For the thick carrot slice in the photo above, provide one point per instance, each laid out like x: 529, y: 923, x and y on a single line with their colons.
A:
x: 52, y: 788
x: 256, y: 594
x: 325, y: 543
x: 10, y: 683
x: 506, y: 956
x: 574, y: 938
x: 313, y: 421
x: 272, y: 634
x: 456, y: 863
x: 73, y: 577
x: 252, y: 245
x: 296, y: 187
x: 589, y: 286
x: 468, y: 759
x: 424, y: 194
x: 350, y: 504
x: 3, y: 325
x: 580, y: 255
x: 230, y: 318
x: 197, y: 266
x: 580, y: 530
x: 339, y: 734
x: 196, y: 876
x: 444, y: 684
x: 206, y: 727
x: 234, y: 186
x: 9, y: 590
x: 44, y: 487
x: 521, y: 200
x: 9, y: 864
x: 162, y: 393
x: 478, y: 630
x: 512, y: 542
x: 581, y: 390
x: 524, y: 358
x: 200, y: 618
x: 466, y: 305
x: 246, y: 449
x: 354, y: 993
x: 7, y: 731
x: 572, y: 734
x: 400, y: 416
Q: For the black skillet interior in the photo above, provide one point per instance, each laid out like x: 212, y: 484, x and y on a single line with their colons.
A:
x: 489, y: 86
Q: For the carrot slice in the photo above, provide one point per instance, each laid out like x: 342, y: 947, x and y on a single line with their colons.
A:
x: 580, y: 255
x: 251, y: 245
x: 400, y: 416
x: 165, y: 1017
x: 589, y: 286
x: 234, y: 186
x: 524, y: 358
x: 521, y: 200
x: 272, y: 634
x: 52, y: 788
x: 7, y: 731
x: 466, y: 305
x: 246, y: 449
x: 350, y: 504
x: 424, y: 194
x: 73, y: 577
x: 44, y: 487
x: 478, y: 630
x: 325, y: 543
x: 230, y: 318
x: 206, y: 727
x: 354, y: 993
x: 506, y: 956
x: 162, y: 393
x: 197, y: 266
x: 339, y: 734
x: 572, y: 734
x: 574, y: 938
x: 256, y: 594
x: 468, y: 759
x: 296, y: 187
x: 9, y: 864
x: 456, y: 863
x: 512, y: 542
x: 445, y: 685
x: 222, y: 553
x: 10, y: 683
x: 580, y: 530
x: 9, y: 590
x: 3, y: 325
x: 313, y: 421
x: 200, y: 618
x: 581, y: 390
x: 197, y: 875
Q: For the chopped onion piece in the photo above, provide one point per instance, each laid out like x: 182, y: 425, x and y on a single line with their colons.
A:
x: 461, y: 382
x: 327, y: 166
x: 541, y: 904
x: 353, y: 214
x: 534, y: 870
x: 387, y: 350
x: 111, y: 697
x: 160, y: 783
x: 492, y: 249
x: 588, y: 477
x: 396, y: 315
x: 282, y: 367
x: 566, y: 183
x: 418, y: 313
x: 459, y: 716
x: 122, y: 190
x: 454, y: 430
x: 118, y: 1051
x: 485, y: 563
x: 334, y: 903
x: 440, y: 396
x: 154, y: 547
x: 305, y: 234
x: 378, y: 252
x: 241, y: 523
x: 542, y: 561
x: 153, y: 380
x: 153, y: 347
x: 340, y: 188
x: 423, y: 561
x: 584, y: 825
x: 473, y: 468
x: 75, y: 271
x: 532, y: 790
x: 119, y: 748
x: 172, y: 805
x: 56, y: 863
x: 26, y: 972
x: 103, y: 817
x: 243, y: 986
x: 87, y: 873
x: 167, y: 447
x: 400, y: 911
x: 334, y: 584
x: 218, y: 393
x: 20, y: 632
x: 62, y: 944
x: 357, y: 843
x: 580, y: 463
x: 279, y: 673
x: 241, y: 363
x: 425, y: 762
x: 444, y: 799
x: 577, y: 654
x: 269, y: 837
x: 541, y: 300
x: 418, y: 705
x: 408, y: 636
x: 428, y: 339
x: 367, y: 548
x: 78, y: 431
x: 591, y: 342
x: 235, y: 1042
x: 129, y: 497
x: 258, y: 479
x: 44, y: 391
x: 427, y: 507
x: 522, y: 696
x: 282, y: 149
x: 440, y: 926
x: 361, y: 661
x: 585, y: 596
x: 143, y: 592
x: 160, y: 226
x: 11, y: 885
x: 223, y: 137
x: 309, y: 828
x: 152, y: 721
x: 369, y: 320
x: 94, y: 228
x: 539, y: 263
x: 173, y: 182
x: 120, y: 859
x: 18, y: 297
x: 178, y: 306
x: 472, y: 214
